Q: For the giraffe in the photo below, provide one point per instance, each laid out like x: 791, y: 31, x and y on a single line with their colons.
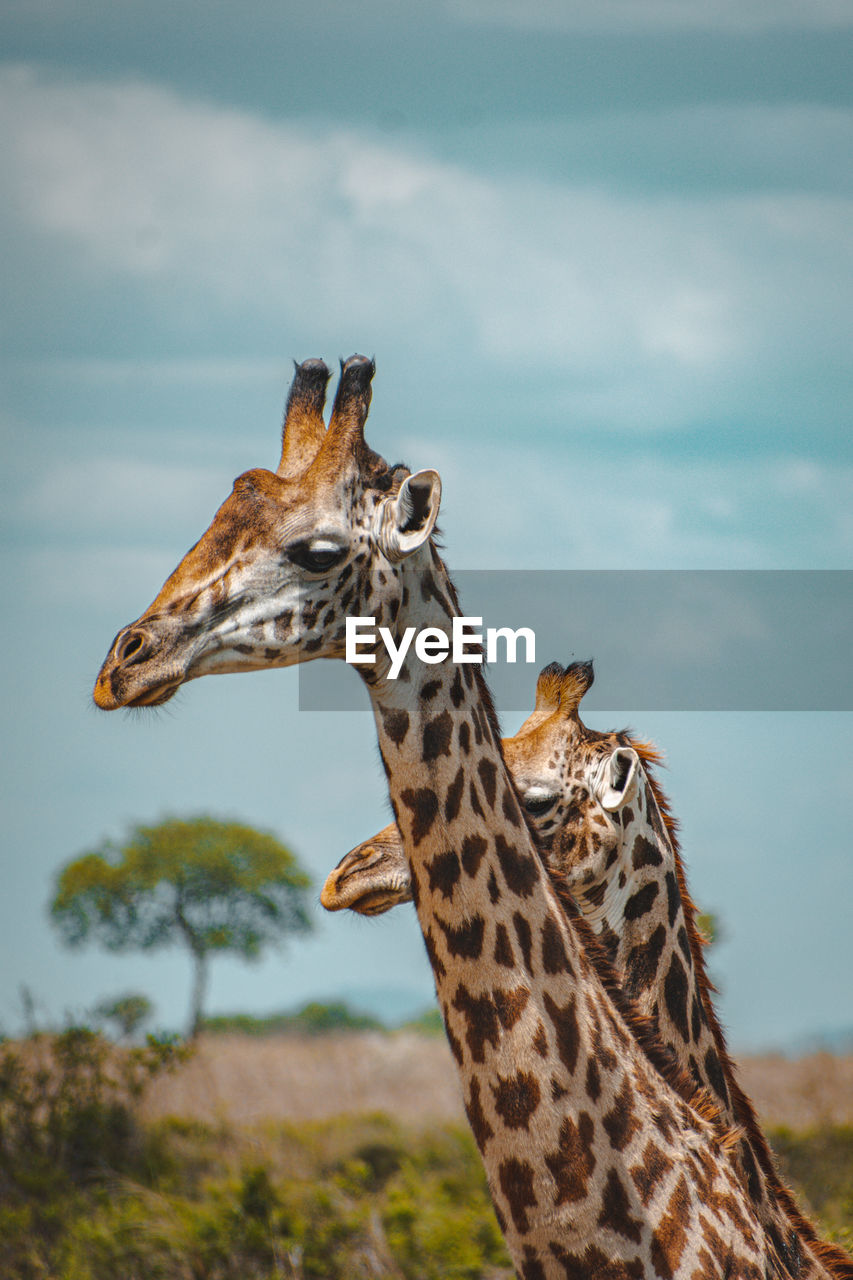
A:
x: 601, y: 1158
x: 608, y: 837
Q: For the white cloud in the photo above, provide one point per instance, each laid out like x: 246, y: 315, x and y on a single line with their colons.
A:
x: 654, y: 15
x: 644, y: 308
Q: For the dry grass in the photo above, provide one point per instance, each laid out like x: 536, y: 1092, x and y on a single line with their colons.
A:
x: 800, y: 1093
x: 243, y: 1080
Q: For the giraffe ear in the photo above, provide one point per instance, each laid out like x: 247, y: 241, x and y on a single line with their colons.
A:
x: 408, y: 519
x: 616, y: 778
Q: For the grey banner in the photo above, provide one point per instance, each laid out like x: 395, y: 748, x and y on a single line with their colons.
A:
x: 664, y: 640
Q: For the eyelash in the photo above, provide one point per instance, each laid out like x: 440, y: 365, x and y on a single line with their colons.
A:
x: 539, y: 805
x: 315, y: 561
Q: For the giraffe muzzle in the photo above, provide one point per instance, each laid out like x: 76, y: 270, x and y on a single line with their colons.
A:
x: 137, y: 672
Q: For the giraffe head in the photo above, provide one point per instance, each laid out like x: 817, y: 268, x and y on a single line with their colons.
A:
x: 287, y: 556
x: 572, y: 781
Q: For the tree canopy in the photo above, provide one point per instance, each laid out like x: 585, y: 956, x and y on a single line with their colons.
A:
x: 208, y: 885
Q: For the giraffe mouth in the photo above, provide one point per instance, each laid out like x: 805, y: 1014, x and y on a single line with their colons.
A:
x: 377, y: 901
x: 155, y: 697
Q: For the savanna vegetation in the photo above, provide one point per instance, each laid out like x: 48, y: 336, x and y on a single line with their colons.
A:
x: 208, y: 886
x: 91, y: 1191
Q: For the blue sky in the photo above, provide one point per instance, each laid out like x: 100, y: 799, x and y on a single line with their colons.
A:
x: 602, y: 255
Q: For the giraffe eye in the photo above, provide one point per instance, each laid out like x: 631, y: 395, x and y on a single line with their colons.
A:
x: 538, y: 804
x: 316, y: 557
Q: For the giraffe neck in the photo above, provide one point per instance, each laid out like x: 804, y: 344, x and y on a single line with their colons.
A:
x: 585, y: 1145
x: 642, y: 913
x: 638, y: 913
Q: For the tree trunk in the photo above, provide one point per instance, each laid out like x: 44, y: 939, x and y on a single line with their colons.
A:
x: 198, y: 993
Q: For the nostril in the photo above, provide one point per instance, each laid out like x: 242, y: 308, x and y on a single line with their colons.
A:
x: 130, y: 645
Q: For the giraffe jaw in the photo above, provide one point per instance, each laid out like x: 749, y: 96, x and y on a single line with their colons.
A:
x: 370, y: 879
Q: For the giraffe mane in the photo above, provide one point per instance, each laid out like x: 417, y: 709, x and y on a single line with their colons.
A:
x: 833, y: 1257
x: 644, y: 1029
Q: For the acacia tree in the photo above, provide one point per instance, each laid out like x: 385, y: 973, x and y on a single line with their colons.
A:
x: 209, y: 886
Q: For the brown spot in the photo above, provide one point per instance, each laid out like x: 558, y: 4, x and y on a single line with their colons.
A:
x: 675, y: 995
x: 593, y: 1080
x: 516, y: 1099
x: 565, y: 1022
x: 464, y: 940
x: 453, y: 799
x: 707, y: 1268
x: 670, y: 1235
x: 429, y: 690
x: 444, y: 872
x: 696, y: 1018
x: 554, y: 958
x: 592, y: 1263
x: 673, y: 897
x: 503, y: 948
x: 475, y: 800
x: 510, y: 1005
x: 573, y: 1162
x: 525, y: 939
x: 604, y: 1055
x: 488, y: 776
x: 437, y: 736
x: 664, y: 1121
x: 516, y: 1180
x: 557, y: 1090
x: 473, y: 849
x: 645, y: 854
x: 531, y: 1265
x: 480, y: 1126
x: 641, y: 902
x: 493, y: 888
x: 456, y: 690
x: 619, y: 1122
x: 436, y: 962
x: 616, y: 1209
x: 642, y: 964
x: 540, y: 1040
x: 519, y: 867
x: 283, y: 624
x: 510, y: 808
x: 481, y: 1021
x: 455, y: 1046
x: 464, y: 736
x: 423, y: 804
x: 714, y: 1241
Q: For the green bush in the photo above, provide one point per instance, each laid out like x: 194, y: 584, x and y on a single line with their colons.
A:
x: 88, y: 1192
x: 819, y: 1163
x: 313, y: 1019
